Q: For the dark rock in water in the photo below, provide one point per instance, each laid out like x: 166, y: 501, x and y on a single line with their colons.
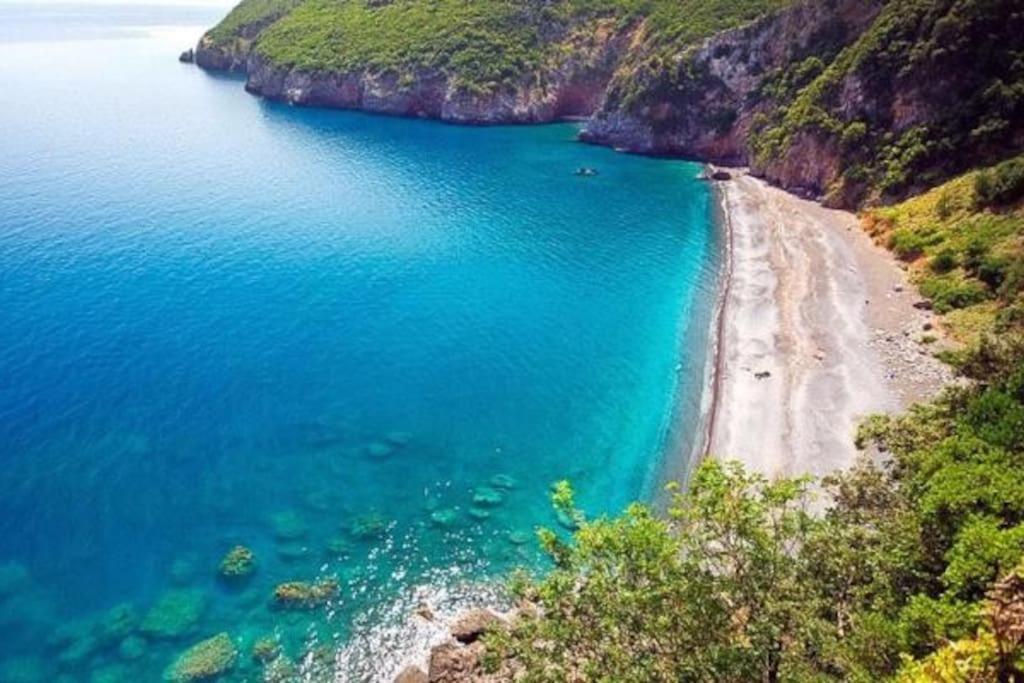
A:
x: 470, y: 626
x: 721, y: 175
x: 585, y: 171
x: 187, y: 57
x: 412, y: 674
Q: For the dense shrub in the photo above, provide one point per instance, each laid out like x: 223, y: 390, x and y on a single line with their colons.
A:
x: 896, y: 580
x: 1002, y: 184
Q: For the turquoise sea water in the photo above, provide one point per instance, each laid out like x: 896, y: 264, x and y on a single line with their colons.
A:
x: 319, y: 334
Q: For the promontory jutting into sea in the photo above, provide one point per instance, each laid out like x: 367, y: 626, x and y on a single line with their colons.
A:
x: 480, y: 341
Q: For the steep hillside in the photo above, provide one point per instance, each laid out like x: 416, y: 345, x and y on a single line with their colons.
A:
x: 459, y: 60
x: 857, y: 100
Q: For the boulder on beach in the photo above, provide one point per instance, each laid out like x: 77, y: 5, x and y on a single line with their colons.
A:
x: 204, y: 661
x: 720, y: 175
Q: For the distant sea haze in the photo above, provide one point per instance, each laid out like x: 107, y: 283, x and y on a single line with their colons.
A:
x: 362, y: 347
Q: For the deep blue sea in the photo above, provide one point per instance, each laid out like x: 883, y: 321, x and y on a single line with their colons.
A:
x: 363, y: 347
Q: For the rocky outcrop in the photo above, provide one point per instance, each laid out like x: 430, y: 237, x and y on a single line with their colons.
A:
x: 570, y: 86
x: 702, y: 103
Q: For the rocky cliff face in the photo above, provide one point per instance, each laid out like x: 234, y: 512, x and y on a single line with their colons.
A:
x: 702, y: 102
x: 568, y: 86
x: 852, y: 100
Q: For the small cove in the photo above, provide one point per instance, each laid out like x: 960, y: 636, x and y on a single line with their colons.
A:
x: 362, y: 346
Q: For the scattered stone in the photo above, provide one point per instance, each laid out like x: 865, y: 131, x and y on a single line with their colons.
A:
x: 424, y: 612
x: 131, y: 648
x: 485, y: 495
x: 927, y: 327
x: 174, y: 615
x: 187, y: 57
x: 238, y: 564
x: 412, y: 674
x: 303, y: 595
x: 504, y: 481
x: 469, y: 626
x: 763, y: 374
x: 204, y: 661
x: 288, y: 526
x: 897, y: 287
x: 923, y: 305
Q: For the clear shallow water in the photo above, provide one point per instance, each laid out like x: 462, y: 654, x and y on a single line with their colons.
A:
x: 228, y: 321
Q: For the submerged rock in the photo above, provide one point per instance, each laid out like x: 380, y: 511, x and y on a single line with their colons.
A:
x: 292, y: 552
x: 288, y: 526
x: 368, y: 526
x: 204, y: 661
x: 379, y: 450
x: 132, y: 648
x: 479, y: 514
x: 118, y: 623
x: 518, y: 537
x: 444, y: 518
x: 175, y: 615
x: 266, y: 649
x: 504, y: 481
x: 485, y: 495
x: 398, y: 439
x: 238, y: 564
x: 303, y: 595
x: 14, y: 578
x: 337, y: 545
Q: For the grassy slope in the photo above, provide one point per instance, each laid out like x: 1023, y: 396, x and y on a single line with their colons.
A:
x: 966, y: 251
x: 248, y: 13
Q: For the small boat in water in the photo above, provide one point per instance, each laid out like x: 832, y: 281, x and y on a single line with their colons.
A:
x: 585, y: 171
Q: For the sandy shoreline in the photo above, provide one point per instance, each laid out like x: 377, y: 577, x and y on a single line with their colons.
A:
x: 817, y: 329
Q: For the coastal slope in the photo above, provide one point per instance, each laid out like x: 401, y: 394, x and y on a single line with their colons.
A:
x: 817, y: 332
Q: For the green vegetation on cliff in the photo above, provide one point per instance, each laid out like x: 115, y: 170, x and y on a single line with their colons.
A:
x: 483, y: 44
x: 930, y: 89
x: 895, y: 580
x: 964, y: 241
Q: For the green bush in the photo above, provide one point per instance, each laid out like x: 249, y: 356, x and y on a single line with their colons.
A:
x: 943, y: 262
x: 1001, y: 185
